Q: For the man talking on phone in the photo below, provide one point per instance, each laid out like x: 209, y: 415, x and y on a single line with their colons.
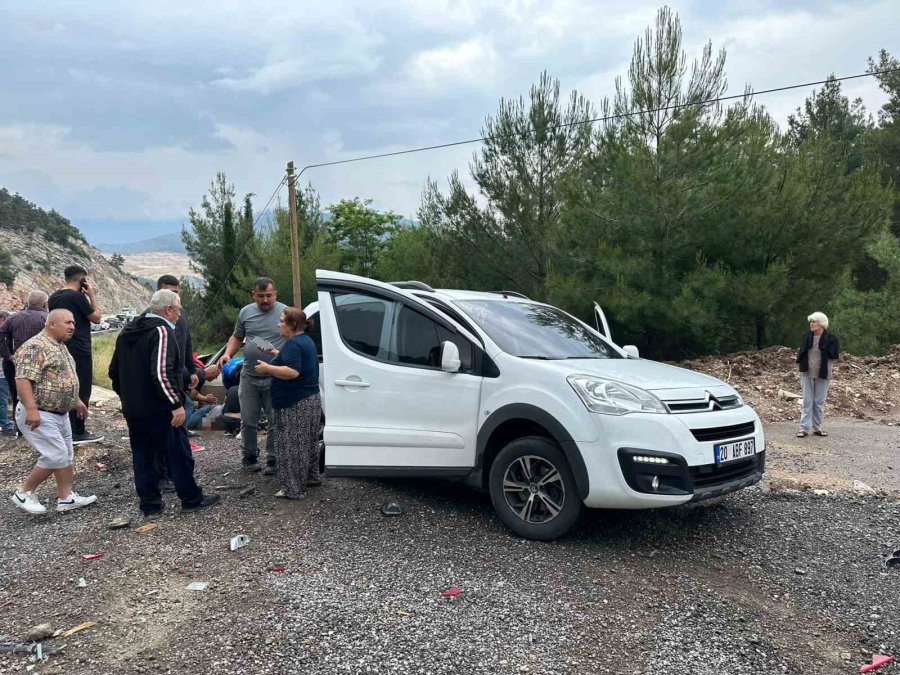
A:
x: 257, y: 329
x: 78, y: 297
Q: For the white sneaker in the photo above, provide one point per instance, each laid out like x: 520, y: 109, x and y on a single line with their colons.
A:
x: 27, y: 502
x: 75, y: 501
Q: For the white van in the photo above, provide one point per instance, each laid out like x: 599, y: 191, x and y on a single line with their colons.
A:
x: 521, y: 399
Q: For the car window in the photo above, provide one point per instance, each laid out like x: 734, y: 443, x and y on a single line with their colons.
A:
x: 417, y: 341
x: 361, y: 321
x: 532, y: 330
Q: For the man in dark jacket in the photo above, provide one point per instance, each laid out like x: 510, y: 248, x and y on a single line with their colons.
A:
x: 146, y: 372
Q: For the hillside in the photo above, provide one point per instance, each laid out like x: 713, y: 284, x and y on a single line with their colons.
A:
x: 35, y: 247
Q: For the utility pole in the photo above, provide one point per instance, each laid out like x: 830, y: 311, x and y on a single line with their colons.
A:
x: 295, y: 243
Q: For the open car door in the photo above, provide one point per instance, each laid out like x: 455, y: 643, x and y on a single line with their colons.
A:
x: 600, y: 320
x: 401, y: 391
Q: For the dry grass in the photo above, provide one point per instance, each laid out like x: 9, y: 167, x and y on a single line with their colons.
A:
x: 102, y: 349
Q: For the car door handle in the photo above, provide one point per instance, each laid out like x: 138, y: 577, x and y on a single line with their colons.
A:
x: 351, y: 383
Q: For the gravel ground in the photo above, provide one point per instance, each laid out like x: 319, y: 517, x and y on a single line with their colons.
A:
x: 759, y: 582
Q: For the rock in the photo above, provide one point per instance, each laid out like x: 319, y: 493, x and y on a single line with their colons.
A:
x: 862, y: 489
x: 820, y: 493
x: 788, y: 396
x: 39, y: 632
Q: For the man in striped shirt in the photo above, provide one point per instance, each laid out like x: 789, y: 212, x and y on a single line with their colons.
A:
x: 146, y: 373
x: 16, y: 331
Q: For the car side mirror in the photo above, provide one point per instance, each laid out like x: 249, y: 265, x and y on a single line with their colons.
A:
x: 632, y: 351
x: 450, y: 362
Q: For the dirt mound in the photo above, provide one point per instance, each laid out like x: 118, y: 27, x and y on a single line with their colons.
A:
x: 866, y: 387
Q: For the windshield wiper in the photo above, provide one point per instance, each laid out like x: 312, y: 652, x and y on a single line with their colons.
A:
x: 541, y: 358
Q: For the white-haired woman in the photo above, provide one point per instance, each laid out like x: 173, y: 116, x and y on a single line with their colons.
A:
x: 818, y: 352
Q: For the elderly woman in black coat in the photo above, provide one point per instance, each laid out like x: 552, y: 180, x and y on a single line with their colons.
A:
x: 818, y: 351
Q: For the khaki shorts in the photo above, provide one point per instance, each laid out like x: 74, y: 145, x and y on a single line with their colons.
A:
x: 52, y: 440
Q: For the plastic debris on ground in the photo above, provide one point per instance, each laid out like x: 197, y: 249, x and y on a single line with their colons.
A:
x: 451, y: 592
x: 146, y: 528
x: 197, y: 586
x: 92, y: 556
x: 100, y: 465
x: 80, y: 627
x: 119, y: 523
x: 878, y: 660
x: 277, y: 568
x: 246, y: 492
x: 391, y: 509
x: 239, y: 541
x: 81, y: 583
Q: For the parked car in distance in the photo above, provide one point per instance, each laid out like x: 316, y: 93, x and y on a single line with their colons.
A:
x: 98, y: 327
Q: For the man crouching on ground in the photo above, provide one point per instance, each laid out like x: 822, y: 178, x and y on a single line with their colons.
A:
x: 47, y: 385
x: 146, y: 373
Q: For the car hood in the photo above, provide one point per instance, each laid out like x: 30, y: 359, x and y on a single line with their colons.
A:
x: 669, y: 382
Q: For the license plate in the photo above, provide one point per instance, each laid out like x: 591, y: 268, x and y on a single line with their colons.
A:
x: 734, y: 450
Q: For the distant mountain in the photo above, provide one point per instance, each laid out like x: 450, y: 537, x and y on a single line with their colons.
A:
x: 37, y: 245
x: 167, y: 242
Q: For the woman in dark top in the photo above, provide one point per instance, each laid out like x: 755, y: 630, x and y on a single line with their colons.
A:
x: 816, y: 357
x: 297, y: 408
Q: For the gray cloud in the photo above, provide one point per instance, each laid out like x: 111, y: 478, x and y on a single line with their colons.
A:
x: 130, y: 109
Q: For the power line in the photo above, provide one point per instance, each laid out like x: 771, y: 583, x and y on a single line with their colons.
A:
x: 606, y: 118
x: 481, y: 139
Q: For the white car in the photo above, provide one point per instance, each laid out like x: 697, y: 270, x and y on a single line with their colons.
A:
x: 521, y: 399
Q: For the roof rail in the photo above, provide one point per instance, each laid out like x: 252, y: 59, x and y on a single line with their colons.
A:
x: 513, y: 294
x: 418, y: 285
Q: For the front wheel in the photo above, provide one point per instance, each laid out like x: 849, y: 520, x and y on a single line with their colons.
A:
x: 533, y: 489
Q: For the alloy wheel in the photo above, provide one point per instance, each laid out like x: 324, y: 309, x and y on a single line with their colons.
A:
x: 534, y: 489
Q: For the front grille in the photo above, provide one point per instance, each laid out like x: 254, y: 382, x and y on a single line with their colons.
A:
x: 723, y: 433
x: 707, y: 404
x: 710, y: 475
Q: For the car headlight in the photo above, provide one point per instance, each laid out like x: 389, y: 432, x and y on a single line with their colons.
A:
x: 610, y: 397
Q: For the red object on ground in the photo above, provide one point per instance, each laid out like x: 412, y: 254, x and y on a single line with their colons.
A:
x: 195, y: 447
x: 92, y: 556
x: 277, y: 568
x: 100, y: 465
x: 878, y: 660
x: 451, y: 592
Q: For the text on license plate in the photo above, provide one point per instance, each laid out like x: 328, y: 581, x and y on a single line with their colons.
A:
x: 733, y: 450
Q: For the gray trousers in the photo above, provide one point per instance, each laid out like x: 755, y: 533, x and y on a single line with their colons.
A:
x: 815, y: 389
x: 255, y: 397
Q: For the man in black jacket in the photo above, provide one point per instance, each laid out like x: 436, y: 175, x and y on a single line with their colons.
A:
x: 147, y: 374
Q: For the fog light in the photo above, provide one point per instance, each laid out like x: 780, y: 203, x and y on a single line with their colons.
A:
x: 646, y: 459
x: 655, y: 483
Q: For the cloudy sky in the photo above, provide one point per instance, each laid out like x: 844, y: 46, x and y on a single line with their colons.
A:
x: 119, y: 114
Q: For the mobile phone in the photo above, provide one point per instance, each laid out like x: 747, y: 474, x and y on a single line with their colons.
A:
x: 261, y: 344
x: 84, y: 283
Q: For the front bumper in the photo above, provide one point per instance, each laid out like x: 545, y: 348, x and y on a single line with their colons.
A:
x: 689, y: 472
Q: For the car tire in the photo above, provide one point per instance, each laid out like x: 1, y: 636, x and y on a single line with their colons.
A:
x: 533, y: 489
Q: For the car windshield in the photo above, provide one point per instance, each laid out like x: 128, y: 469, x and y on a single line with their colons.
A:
x: 535, y: 331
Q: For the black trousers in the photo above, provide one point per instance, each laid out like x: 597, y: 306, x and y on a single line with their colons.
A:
x: 84, y: 368
x: 9, y: 372
x: 152, y: 436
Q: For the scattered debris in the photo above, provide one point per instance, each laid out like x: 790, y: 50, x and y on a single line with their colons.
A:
x: 451, y: 592
x: 820, y: 493
x: 39, y: 632
x: 197, y: 586
x: 146, y: 528
x: 80, y: 627
x: 878, y: 660
x: 81, y: 583
x: 100, y: 466
x: 277, y: 568
x: 119, y: 522
x: 862, y: 386
x: 391, y: 509
x: 246, y: 492
x: 239, y: 541
x: 92, y: 556
x: 789, y: 396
